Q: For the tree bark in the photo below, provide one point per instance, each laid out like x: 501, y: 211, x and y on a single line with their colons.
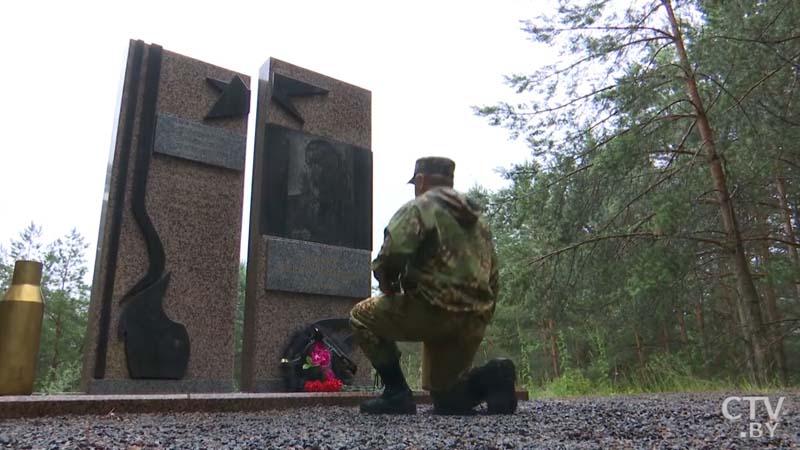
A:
x: 728, y: 295
x: 788, y: 229
x: 773, y: 316
x: 639, y: 349
x: 54, y: 362
x: 748, y: 299
x: 665, y: 338
x: 700, y: 321
x: 554, y: 356
x: 682, y: 326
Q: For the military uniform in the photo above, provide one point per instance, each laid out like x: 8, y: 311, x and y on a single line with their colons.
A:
x: 437, y: 271
x: 438, y: 255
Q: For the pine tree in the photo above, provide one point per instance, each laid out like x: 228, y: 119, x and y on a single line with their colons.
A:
x: 637, y: 138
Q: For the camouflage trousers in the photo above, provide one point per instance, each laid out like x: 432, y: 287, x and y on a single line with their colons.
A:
x: 450, y: 339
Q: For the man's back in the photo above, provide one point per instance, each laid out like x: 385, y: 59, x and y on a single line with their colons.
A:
x: 455, y: 266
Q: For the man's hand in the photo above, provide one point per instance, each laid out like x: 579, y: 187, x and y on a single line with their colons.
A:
x: 388, y: 288
x: 387, y: 284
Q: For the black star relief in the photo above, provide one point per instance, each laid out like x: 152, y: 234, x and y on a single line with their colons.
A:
x: 283, y: 88
x: 234, y: 101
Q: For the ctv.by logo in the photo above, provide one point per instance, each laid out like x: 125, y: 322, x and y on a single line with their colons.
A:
x: 755, y: 429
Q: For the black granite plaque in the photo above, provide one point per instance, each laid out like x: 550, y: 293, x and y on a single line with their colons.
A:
x: 312, y: 268
x: 195, y: 141
x: 316, y: 189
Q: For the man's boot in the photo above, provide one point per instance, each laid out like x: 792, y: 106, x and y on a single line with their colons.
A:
x: 459, y: 400
x: 494, y: 382
x: 396, y: 398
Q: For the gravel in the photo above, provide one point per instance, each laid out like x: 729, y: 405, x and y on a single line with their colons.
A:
x: 675, y: 421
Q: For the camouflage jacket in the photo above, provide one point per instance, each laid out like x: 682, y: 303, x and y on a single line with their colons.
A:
x: 438, y: 246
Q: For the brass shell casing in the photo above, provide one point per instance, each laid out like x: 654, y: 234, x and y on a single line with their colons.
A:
x: 21, y: 314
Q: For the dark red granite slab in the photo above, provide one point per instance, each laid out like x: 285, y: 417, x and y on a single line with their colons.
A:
x: 15, y: 407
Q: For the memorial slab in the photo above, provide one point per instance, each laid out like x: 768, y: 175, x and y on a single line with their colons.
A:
x: 161, y: 316
x: 310, y: 215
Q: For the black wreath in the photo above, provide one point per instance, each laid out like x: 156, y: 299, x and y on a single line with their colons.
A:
x: 336, y: 336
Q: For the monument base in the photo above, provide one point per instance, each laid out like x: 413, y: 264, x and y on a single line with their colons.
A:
x: 277, y: 385
x: 120, y: 386
x: 17, y: 407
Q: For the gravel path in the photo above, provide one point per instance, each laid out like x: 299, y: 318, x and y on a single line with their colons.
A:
x: 691, y: 421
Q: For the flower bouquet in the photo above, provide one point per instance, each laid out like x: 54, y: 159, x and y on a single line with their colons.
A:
x: 316, y: 359
x: 319, y: 360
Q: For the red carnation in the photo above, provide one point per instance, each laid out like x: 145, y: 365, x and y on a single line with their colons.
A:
x: 313, y: 386
x: 332, y: 385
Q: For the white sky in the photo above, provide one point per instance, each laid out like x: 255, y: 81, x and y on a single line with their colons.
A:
x: 426, y: 63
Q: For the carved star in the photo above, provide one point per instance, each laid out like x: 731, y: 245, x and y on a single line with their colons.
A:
x: 234, y: 101
x: 284, y: 88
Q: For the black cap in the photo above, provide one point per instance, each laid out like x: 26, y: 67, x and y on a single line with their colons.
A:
x: 434, y: 165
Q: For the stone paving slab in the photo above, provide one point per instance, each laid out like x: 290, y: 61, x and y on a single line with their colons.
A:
x: 13, y: 407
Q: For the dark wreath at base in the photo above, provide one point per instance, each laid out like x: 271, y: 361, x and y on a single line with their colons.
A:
x: 317, y: 357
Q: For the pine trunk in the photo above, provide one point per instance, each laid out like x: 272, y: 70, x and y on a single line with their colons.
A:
x: 554, y: 356
x: 773, y: 317
x: 788, y: 229
x: 749, y: 303
x: 54, y: 362
x: 736, y: 328
x: 682, y: 326
x: 639, y: 349
x: 700, y: 321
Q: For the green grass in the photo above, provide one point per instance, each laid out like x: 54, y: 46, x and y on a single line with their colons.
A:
x: 665, y: 373
x: 660, y: 375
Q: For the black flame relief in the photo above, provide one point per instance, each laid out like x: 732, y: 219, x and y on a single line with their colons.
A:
x: 155, y: 346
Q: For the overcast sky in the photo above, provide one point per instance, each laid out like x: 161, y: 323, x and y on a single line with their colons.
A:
x: 426, y: 63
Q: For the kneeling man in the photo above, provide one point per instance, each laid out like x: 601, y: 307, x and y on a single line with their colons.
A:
x: 437, y: 273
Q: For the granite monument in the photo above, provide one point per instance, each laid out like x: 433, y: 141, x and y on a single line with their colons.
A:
x: 163, y: 303
x: 311, y: 213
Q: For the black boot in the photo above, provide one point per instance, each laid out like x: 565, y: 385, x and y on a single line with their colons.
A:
x: 494, y: 382
x: 396, y: 398
x: 459, y: 400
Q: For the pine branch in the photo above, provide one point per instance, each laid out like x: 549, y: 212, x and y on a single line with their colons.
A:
x: 755, y: 41
x: 569, y: 103
x: 559, y: 71
x: 554, y: 30
x: 772, y: 239
x: 762, y: 80
x: 656, y: 184
x: 576, y: 171
x: 649, y: 235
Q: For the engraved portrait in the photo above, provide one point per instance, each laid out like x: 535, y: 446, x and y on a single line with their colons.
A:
x: 316, y: 189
